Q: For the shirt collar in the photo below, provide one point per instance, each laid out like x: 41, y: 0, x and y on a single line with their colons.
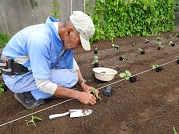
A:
x: 56, y: 25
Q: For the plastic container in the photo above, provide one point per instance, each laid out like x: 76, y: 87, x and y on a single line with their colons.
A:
x: 107, y: 91
x: 104, y: 74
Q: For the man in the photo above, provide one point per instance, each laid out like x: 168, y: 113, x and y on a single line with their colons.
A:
x: 40, y: 61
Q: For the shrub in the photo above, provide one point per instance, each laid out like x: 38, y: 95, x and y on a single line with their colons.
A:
x: 4, y: 38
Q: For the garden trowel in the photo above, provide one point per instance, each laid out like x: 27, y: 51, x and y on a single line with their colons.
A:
x: 73, y: 113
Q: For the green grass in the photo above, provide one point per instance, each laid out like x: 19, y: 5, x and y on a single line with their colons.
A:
x: 4, y: 38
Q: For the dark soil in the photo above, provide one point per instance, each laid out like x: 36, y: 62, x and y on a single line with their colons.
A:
x: 148, y: 106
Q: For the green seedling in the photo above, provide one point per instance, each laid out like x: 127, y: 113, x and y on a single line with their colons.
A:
x: 154, y: 66
x: 124, y: 57
x: 32, y: 121
x: 177, y: 35
x: 96, y: 49
x: 159, y: 38
x: 2, y: 90
x: 115, y: 46
x: 174, y: 130
x: 95, y: 60
x: 139, y: 49
x: 33, y: 3
x: 126, y: 75
x: 146, y: 41
x: 158, y: 68
x: 177, y: 59
x: 160, y: 44
x: 133, y: 44
x: 93, y: 92
x: 171, y: 43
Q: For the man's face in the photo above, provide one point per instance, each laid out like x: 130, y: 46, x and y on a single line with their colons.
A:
x: 72, y: 39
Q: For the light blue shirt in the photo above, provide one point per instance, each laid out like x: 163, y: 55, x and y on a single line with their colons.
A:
x: 42, y: 44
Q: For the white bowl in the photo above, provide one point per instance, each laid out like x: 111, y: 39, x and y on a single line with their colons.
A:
x: 104, y: 74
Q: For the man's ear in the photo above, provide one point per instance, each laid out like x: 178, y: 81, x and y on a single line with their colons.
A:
x: 70, y: 30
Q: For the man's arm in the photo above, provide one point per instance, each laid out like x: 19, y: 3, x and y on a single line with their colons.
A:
x: 84, y: 86
x: 84, y: 97
x: 59, y: 91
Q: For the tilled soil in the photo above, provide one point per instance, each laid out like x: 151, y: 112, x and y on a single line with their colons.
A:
x: 148, y: 106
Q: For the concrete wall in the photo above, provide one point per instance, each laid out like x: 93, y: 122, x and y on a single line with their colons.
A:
x: 176, y: 22
x: 17, y: 14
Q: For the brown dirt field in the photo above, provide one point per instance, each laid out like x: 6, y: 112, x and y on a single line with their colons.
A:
x: 148, y: 106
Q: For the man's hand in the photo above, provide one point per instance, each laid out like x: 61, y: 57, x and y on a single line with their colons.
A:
x: 88, y: 89
x: 86, y: 98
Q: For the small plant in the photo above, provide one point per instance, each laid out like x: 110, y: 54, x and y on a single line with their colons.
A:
x: 32, y: 121
x: 146, y: 41
x: 93, y: 92
x: 159, y: 45
x: 116, y: 47
x: 133, y: 44
x: 96, y: 50
x: 171, y: 43
x: 157, y: 67
x: 159, y: 38
x: 174, y: 130
x: 33, y: 3
x: 154, y: 66
x: 95, y: 60
x: 177, y: 58
x: 121, y: 58
x: 177, y: 35
x: 3, y: 88
x: 141, y: 50
x: 126, y: 75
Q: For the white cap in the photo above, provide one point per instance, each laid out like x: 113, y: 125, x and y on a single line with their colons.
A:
x: 84, y: 25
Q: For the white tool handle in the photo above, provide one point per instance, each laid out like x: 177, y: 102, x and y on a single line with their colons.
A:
x: 53, y: 116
